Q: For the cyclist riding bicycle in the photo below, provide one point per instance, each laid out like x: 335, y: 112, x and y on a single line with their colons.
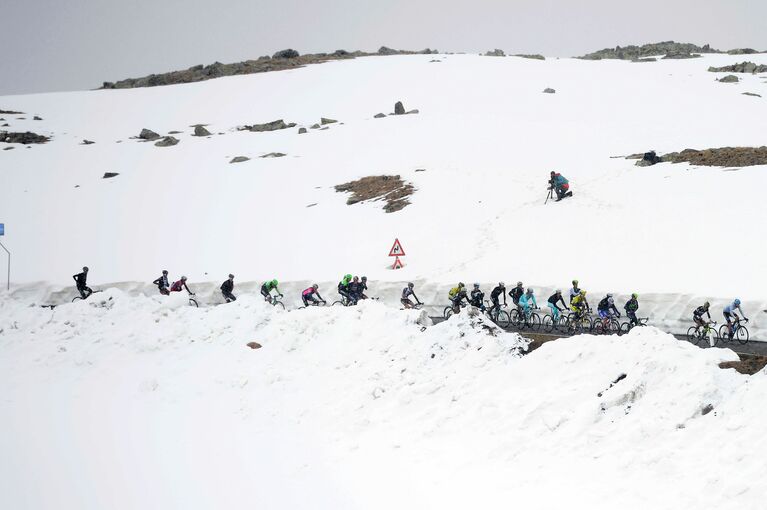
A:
x: 406, y: 293
x: 527, y: 301
x: 606, y: 308
x: 697, y: 316
x: 574, y: 291
x: 363, y: 287
x: 631, y: 307
x: 498, y: 291
x: 267, y: 288
x: 179, y: 285
x: 477, y: 298
x: 553, y: 300
x: 81, y: 283
x: 457, y: 295
x: 343, y: 287
x: 579, y: 304
x: 355, y: 289
x: 307, y: 296
x: 729, y: 312
x: 516, y: 293
x: 162, y: 283
x: 226, y: 289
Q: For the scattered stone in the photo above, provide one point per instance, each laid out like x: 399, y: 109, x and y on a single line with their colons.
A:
x: 109, y: 175
x: 301, y: 130
x: 148, y: 135
x: 36, y: 118
x: 8, y: 148
x: 119, y: 141
x: 10, y: 112
x: 239, y: 159
x: 311, y: 205
x: 286, y: 54
x: 25, y: 138
x: 434, y: 60
x: 175, y: 132
x: 534, y: 57
x: 495, y: 53
x: 77, y: 185
x: 420, y: 169
x: 167, y: 141
x: 199, y: 130
x: 254, y: 345
x: 730, y: 78
x: 379, y: 115
x: 274, y: 125
x: 274, y: 155
x: 314, y: 126
x: 680, y: 55
x: 324, y: 121
x: 648, y: 159
x: 399, y: 108
x: 412, y: 112
x: 324, y: 128
x: 751, y: 94
x: 6, y: 125
x: 747, y: 365
x: 87, y: 142
x: 549, y: 91
x: 390, y: 188
x: 743, y: 67
x: 742, y: 51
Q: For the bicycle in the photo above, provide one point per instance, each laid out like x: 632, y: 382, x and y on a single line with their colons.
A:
x: 578, y: 323
x: 78, y: 298
x: 606, y: 325
x: 707, y: 333
x: 322, y: 302
x: 193, y: 301
x: 450, y: 310
x: 628, y: 326
x: 528, y: 319
x: 736, y: 331
x: 562, y: 323
x: 500, y: 317
x: 344, y: 301
x: 276, y: 301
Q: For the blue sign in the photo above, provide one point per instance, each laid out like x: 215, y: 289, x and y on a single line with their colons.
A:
x: 2, y: 229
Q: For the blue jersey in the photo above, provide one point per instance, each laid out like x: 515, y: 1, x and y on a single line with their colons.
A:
x: 559, y: 180
x: 528, y: 299
x: 732, y: 307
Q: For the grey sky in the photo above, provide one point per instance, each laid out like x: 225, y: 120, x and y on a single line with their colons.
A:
x: 76, y: 44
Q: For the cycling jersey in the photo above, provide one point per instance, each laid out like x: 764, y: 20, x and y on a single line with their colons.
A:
x: 407, y: 292
x: 454, y: 292
x: 516, y: 293
x: 476, y: 297
x: 631, y: 306
x: 556, y: 298
x: 497, y: 292
x: 527, y: 300
x: 574, y: 292
x: 579, y: 302
x: 732, y: 307
x: 700, y: 311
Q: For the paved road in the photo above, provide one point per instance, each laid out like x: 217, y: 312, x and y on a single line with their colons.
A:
x: 752, y: 348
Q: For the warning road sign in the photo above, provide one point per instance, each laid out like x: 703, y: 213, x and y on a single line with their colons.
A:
x: 397, y: 264
x: 396, y: 249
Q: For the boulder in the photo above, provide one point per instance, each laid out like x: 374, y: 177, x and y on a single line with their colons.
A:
x: 743, y: 67
x: 274, y: 125
x: 199, y: 130
x: 324, y: 121
x: 239, y: 159
x: 148, y: 135
x: 412, y: 112
x: 36, y: 118
x: 533, y: 56
x: 109, y: 175
x: 274, y: 155
x: 24, y: 138
x: 730, y: 78
x: 549, y: 91
x: 314, y: 126
x: 495, y: 53
x: 399, y: 108
x: 286, y: 54
x: 383, y: 50
x: 8, y: 148
x: 379, y: 115
x: 301, y: 130
x: 751, y: 94
x: 254, y: 345
x: 167, y: 141
x: 87, y: 142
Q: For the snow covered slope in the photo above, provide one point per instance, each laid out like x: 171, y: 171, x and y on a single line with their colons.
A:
x: 127, y: 402
x: 486, y: 135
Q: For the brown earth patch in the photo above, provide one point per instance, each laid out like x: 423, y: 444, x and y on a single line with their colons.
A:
x: 724, y: 156
x: 390, y: 188
x: 747, y: 365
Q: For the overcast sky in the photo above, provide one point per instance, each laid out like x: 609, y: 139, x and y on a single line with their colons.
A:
x: 51, y: 45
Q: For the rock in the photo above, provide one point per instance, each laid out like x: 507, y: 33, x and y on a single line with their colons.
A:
x: 644, y: 59
x: 730, y: 78
x: 254, y: 345
x: 420, y: 169
x: 36, y: 118
x: 274, y: 155
x: 383, y: 50
x: 239, y: 159
x: 314, y: 126
x: 412, y: 112
x: 534, y: 57
x: 6, y: 125
x: 10, y: 112
x: 399, y: 108
x: 681, y: 54
x: 148, y: 135
x: 8, y: 148
x: 167, y: 141
x: 175, y: 132
x: 199, y: 130
x: 109, y: 175
x: 742, y: 51
x: 379, y: 115
x: 495, y: 53
x: 274, y: 125
x: 301, y: 130
x: 286, y: 54
x: 324, y: 121
x: 743, y: 67
x: 549, y: 91
x: 25, y: 138
x: 669, y: 48
x: 87, y: 142
x: 340, y: 53
x: 751, y: 94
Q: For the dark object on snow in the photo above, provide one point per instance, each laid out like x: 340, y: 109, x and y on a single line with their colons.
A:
x: 148, y: 135
x: 254, y: 345
x: 286, y: 54
x: 301, y: 130
x: 25, y: 138
x: 495, y: 53
x: 730, y: 78
x: 239, y: 159
x: 36, y: 118
x: 325, y: 120
x: 648, y: 159
x: 274, y: 155
x: 167, y: 141
x: 199, y: 130
x: 379, y: 115
x: 87, y: 142
x: 549, y: 91
x: 108, y: 175
x: 399, y: 108
x: 274, y: 125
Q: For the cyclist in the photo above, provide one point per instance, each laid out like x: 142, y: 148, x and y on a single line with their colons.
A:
x: 162, y: 283
x: 580, y: 305
x: 477, y: 298
x: 457, y: 295
x: 500, y: 290
x: 554, y: 299
x: 574, y: 291
x: 729, y: 311
x: 355, y: 290
x: 558, y: 183
x: 606, y: 308
x: 180, y: 285
x: 527, y: 302
x: 516, y: 293
x: 267, y: 288
x: 406, y: 293
x: 343, y: 287
x: 697, y: 316
x: 631, y: 307
x: 363, y: 287
x: 81, y: 282
x: 226, y: 289
x: 307, y: 296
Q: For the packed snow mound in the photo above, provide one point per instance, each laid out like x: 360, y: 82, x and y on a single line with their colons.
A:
x: 138, y: 402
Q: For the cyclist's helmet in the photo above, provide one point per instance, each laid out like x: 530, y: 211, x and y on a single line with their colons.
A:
x: 315, y: 286
x: 410, y: 284
x: 85, y: 269
x: 461, y: 285
x: 364, y: 278
x: 558, y: 291
x: 530, y: 291
x: 164, y: 271
x: 502, y: 285
x: 519, y: 284
x: 634, y: 295
x: 737, y: 302
x: 706, y: 304
x: 476, y: 285
x: 553, y: 173
x: 575, y: 282
x: 183, y: 278
x: 348, y: 277
x: 231, y: 277
x: 356, y: 278
x: 274, y: 282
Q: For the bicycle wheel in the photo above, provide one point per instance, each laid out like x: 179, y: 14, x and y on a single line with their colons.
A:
x: 503, y: 319
x: 77, y: 298
x: 447, y: 312
x: 625, y: 328
x: 724, y: 333
x: 548, y: 323
x: 338, y: 303
x: 692, y: 335
x: 193, y: 302
x: 278, y: 304
x: 534, y: 322
x: 741, y: 334
x: 563, y: 324
x: 615, y: 327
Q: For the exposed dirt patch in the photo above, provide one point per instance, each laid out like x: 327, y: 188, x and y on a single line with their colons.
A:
x: 25, y: 138
x: 747, y: 364
x: 724, y: 156
x: 390, y: 188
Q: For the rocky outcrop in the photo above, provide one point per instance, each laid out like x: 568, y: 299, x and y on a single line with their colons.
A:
x: 379, y: 115
x: 534, y: 57
x: 721, y: 157
x: 399, y: 108
x: 199, y: 130
x: 10, y: 112
x: 743, y: 67
x: 678, y: 55
x: 286, y: 54
x: 390, y: 188
x: 644, y: 59
x: 148, y: 135
x: 301, y: 130
x: 109, y: 175
x: 742, y: 51
x: 669, y: 48
x: 274, y: 125
x: 325, y: 121
x: 549, y: 91
x: 25, y: 138
x: 495, y: 53
x: 167, y: 141
x: 730, y: 78
x: 274, y: 155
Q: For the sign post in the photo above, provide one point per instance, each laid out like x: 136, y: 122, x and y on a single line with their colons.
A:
x: 2, y: 233
x: 397, y: 251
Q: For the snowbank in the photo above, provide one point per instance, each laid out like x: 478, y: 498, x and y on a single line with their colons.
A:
x: 138, y: 402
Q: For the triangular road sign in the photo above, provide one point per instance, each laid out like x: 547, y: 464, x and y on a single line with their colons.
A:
x: 396, y: 249
x: 397, y: 264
